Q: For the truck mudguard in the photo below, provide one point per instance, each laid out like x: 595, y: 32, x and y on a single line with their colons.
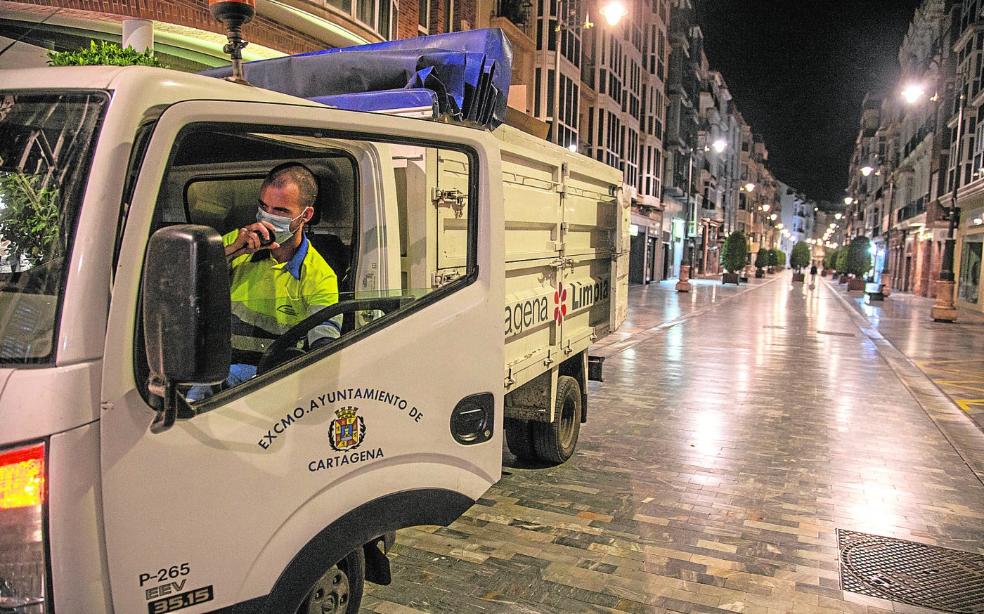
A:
x: 357, y: 527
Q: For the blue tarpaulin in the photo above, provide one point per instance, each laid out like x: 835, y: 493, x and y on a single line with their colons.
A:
x: 409, y: 99
x: 467, y: 72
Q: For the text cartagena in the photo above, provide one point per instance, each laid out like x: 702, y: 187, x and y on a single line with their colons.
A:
x: 343, y: 395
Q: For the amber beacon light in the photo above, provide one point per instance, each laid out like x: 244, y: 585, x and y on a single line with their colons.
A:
x: 233, y: 14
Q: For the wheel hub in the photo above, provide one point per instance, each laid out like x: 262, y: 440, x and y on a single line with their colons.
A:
x: 330, y: 594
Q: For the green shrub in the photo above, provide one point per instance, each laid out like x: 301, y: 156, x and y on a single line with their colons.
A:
x: 858, y: 260
x: 735, y: 252
x: 103, y: 54
x: 762, y: 258
x: 800, y: 256
x: 840, y: 263
x: 829, y: 256
x: 780, y: 257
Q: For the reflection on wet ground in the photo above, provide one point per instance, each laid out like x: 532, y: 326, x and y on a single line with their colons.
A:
x: 950, y: 354
x: 722, y: 454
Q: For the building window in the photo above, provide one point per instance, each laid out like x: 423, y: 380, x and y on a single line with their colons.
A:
x: 374, y: 14
x: 423, y: 16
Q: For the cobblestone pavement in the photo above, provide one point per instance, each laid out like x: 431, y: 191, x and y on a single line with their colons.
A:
x: 950, y: 354
x: 722, y: 454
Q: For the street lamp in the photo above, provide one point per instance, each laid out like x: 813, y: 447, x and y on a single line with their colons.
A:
x: 683, y: 284
x: 749, y: 187
x: 913, y: 92
x: 848, y: 201
x: 867, y: 170
x: 944, y: 310
x: 719, y: 145
x: 567, y: 19
x: 613, y: 12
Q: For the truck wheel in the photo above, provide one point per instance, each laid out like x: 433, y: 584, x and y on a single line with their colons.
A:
x: 555, y: 441
x: 339, y: 591
x: 519, y: 438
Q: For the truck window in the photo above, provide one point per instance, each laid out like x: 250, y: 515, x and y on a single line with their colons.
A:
x: 46, y: 142
x: 388, y: 231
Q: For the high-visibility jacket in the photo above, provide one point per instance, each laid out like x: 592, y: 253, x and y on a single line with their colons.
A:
x: 270, y: 297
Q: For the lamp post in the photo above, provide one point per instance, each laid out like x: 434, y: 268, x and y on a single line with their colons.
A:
x: 567, y: 19
x: 683, y: 285
x: 944, y: 310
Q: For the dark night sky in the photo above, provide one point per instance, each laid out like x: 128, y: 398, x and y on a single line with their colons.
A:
x: 798, y: 71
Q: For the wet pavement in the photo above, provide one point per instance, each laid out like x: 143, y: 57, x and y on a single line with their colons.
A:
x: 950, y: 354
x: 736, y: 431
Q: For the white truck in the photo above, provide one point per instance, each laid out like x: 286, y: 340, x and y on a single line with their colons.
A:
x: 280, y: 494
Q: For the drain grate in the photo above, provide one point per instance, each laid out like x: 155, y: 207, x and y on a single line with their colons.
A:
x: 912, y: 573
x: 836, y: 334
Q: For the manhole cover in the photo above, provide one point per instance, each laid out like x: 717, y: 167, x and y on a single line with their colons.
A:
x: 913, y: 573
x: 828, y: 332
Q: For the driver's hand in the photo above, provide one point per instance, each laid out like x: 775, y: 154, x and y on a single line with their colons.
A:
x: 251, y: 240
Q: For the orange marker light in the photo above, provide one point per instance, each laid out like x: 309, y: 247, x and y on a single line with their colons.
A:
x: 22, y: 477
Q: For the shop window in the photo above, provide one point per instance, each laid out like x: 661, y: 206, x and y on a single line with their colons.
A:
x: 968, y: 288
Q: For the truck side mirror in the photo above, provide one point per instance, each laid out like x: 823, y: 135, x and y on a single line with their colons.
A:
x: 186, y: 309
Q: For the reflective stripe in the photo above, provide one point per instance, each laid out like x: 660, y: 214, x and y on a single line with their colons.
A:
x: 252, y: 318
x: 268, y: 300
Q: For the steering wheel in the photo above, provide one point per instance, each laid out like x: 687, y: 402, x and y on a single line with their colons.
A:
x: 285, y: 348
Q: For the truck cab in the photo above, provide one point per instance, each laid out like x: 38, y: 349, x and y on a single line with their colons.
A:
x: 277, y: 494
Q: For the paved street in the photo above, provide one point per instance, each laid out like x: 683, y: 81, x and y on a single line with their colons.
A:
x: 948, y: 353
x: 736, y: 431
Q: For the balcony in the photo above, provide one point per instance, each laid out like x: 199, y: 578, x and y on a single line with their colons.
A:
x: 911, y: 210
x: 915, y: 141
x: 517, y: 12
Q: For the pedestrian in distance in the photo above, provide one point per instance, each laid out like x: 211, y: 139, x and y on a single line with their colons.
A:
x: 813, y: 276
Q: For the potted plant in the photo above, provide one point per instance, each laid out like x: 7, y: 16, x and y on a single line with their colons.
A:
x: 828, y: 264
x: 840, y: 263
x: 780, y: 259
x: 798, y: 259
x: 773, y: 260
x: 761, y: 261
x: 733, y: 255
x: 858, y: 263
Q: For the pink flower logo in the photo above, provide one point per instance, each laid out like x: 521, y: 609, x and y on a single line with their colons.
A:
x: 560, y: 303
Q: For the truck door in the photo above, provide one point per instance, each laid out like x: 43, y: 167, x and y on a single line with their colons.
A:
x: 395, y: 422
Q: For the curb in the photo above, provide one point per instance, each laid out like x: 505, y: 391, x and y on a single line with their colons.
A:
x: 962, y: 433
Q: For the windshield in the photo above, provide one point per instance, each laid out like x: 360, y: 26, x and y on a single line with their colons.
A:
x: 45, y: 146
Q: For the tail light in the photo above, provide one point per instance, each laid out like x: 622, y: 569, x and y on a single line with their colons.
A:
x: 23, y: 572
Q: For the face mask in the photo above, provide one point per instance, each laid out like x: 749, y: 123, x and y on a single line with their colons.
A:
x: 281, y: 225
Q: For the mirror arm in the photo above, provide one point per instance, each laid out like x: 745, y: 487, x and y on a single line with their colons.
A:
x: 174, y: 407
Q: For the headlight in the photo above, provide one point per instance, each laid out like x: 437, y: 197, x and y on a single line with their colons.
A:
x: 23, y: 574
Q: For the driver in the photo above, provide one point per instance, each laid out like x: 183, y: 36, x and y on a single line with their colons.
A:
x: 277, y: 277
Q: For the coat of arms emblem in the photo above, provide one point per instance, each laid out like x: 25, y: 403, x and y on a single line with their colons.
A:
x: 347, y: 430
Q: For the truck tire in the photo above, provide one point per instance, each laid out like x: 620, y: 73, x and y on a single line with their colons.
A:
x: 555, y: 441
x: 519, y: 438
x: 339, y: 590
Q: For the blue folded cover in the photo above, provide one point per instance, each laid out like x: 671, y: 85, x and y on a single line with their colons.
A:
x: 388, y: 100
x: 468, y: 72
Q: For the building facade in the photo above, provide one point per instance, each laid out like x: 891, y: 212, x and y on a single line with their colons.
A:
x: 680, y: 143
x: 798, y: 218
x: 185, y: 36
x: 919, y: 156
x: 966, y: 175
